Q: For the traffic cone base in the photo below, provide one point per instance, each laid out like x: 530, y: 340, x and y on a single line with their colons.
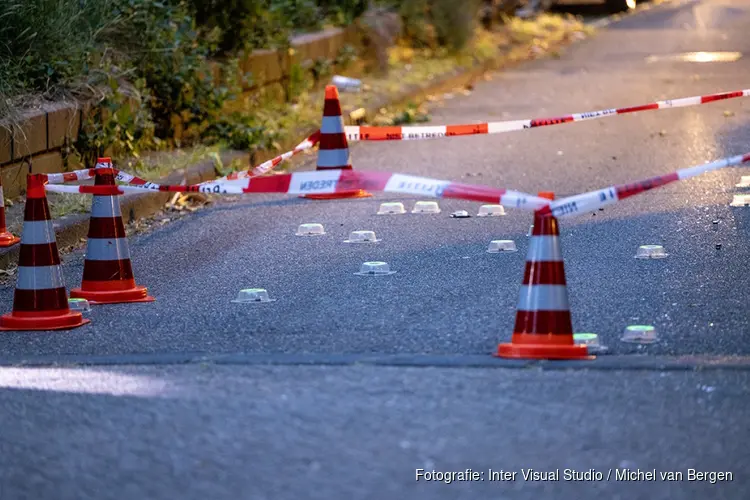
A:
x: 48, y: 320
x: 358, y: 193
x: 8, y: 240
x: 530, y: 348
x: 135, y: 294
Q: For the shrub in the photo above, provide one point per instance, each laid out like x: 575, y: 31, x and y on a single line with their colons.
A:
x: 45, y: 43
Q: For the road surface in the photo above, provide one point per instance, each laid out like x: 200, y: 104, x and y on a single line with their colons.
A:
x: 356, y: 422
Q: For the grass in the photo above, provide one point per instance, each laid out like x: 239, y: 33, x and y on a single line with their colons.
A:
x: 61, y: 204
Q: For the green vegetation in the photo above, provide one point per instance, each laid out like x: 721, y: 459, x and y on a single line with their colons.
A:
x: 162, y: 74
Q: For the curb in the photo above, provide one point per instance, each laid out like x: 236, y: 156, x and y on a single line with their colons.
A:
x: 70, y: 229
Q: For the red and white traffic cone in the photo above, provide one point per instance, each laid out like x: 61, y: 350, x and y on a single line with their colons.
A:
x: 40, y: 301
x: 543, y: 328
x: 6, y: 238
x: 333, y: 148
x: 107, y: 270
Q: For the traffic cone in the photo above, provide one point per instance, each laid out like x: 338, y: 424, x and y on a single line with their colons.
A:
x: 333, y: 148
x: 40, y: 301
x: 6, y: 238
x: 546, y: 194
x: 543, y: 328
x: 107, y: 271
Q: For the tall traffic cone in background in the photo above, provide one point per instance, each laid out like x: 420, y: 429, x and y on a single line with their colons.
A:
x: 333, y: 148
x: 543, y: 328
x: 6, y: 239
x: 107, y: 270
x: 40, y: 301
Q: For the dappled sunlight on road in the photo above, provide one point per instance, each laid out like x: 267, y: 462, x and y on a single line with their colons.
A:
x: 85, y: 381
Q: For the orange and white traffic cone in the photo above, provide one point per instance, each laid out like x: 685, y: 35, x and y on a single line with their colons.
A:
x: 6, y: 238
x: 107, y: 270
x: 40, y: 301
x: 543, y: 328
x: 333, y: 148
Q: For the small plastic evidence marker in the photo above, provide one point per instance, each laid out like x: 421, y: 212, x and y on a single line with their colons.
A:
x: 639, y: 334
x: 460, y: 214
x: 740, y: 200
x: 426, y: 207
x: 362, y: 237
x: 591, y: 341
x: 491, y: 211
x: 252, y: 296
x: 651, y: 252
x: 80, y: 305
x: 375, y: 269
x: 501, y: 246
x: 310, y: 230
x: 391, y: 208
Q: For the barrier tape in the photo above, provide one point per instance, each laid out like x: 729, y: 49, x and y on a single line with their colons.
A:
x: 76, y: 175
x: 263, y: 168
x: 266, y: 166
x: 331, y: 181
x: 367, y: 133
x: 593, y: 200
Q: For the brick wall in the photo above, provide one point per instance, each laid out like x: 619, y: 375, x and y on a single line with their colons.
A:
x: 42, y: 134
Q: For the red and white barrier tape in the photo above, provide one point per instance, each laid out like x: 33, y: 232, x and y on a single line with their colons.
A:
x: 332, y: 181
x: 266, y: 166
x: 76, y: 175
x: 593, y: 200
x: 364, y: 133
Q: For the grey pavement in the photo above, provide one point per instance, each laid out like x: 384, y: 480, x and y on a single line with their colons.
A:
x: 362, y: 432
x: 449, y: 296
x: 358, y: 431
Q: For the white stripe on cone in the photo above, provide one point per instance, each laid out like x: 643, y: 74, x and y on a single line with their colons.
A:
x: 37, y: 232
x: 105, y: 206
x: 107, y: 249
x: 543, y: 298
x: 39, y: 277
x: 333, y: 158
x: 332, y: 125
x: 544, y: 249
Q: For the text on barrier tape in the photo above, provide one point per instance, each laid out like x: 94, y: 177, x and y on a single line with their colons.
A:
x: 367, y: 133
x: 332, y: 181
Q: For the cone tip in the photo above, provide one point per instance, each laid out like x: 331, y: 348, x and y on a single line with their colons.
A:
x: 332, y: 92
x: 104, y: 159
x: 550, y: 195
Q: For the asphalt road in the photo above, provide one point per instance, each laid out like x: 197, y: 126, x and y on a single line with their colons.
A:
x: 449, y: 302
x: 361, y: 433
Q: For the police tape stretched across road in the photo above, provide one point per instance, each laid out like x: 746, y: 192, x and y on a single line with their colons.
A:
x: 331, y: 181
x: 367, y: 133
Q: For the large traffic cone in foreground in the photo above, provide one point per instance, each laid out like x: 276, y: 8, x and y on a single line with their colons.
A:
x: 543, y: 328
x: 40, y: 301
x: 333, y: 148
x: 6, y: 239
x: 107, y: 270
